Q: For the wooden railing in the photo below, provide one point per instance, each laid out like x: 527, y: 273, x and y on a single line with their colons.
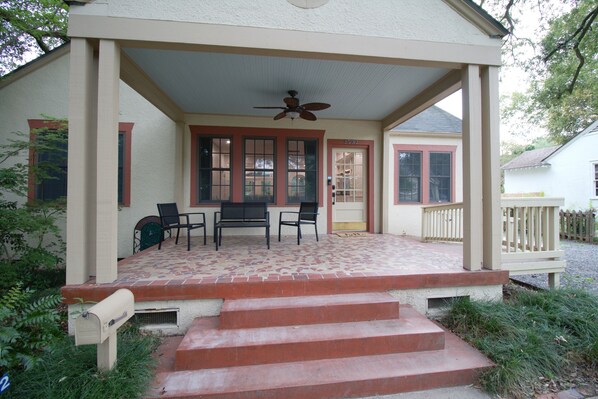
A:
x: 443, y: 222
x: 578, y: 225
x: 530, y: 233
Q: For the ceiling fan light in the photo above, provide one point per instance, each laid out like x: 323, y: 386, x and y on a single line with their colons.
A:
x: 293, y: 114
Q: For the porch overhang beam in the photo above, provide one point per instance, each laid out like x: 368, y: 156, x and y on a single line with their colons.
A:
x: 131, y: 74
x: 442, y: 88
x: 281, y: 42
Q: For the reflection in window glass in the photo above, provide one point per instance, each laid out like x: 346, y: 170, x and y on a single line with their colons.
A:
x: 259, y: 170
x: 410, y: 172
x: 301, y: 171
x: 214, y: 154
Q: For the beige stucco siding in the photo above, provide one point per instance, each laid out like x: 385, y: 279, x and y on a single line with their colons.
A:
x: 429, y: 20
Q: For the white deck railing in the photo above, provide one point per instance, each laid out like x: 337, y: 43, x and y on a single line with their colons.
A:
x: 443, y: 222
x: 530, y: 236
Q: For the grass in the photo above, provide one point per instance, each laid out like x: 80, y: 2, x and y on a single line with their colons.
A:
x: 70, y: 371
x: 532, y: 336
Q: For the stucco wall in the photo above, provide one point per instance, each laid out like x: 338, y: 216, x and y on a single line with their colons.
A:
x: 406, y: 219
x: 570, y: 175
x: 334, y: 129
x: 429, y: 20
x: 45, y: 92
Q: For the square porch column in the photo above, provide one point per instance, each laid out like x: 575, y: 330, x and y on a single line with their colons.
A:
x: 472, y: 168
x: 80, y: 231
x: 491, y: 169
x: 107, y: 162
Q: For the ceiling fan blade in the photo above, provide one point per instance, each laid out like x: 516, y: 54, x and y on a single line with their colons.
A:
x: 291, y: 101
x: 307, y: 116
x: 315, y: 106
x: 269, y: 107
x: 280, y: 116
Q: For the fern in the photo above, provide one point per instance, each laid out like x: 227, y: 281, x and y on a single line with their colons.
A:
x: 27, y: 328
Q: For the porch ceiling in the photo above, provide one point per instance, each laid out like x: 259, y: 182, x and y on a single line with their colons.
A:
x: 222, y: 83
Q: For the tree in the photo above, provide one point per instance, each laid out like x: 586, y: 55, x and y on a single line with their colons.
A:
x: 560, y: 56
x: 29, y: 28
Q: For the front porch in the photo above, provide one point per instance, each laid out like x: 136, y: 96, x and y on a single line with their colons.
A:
x: 245, y: 268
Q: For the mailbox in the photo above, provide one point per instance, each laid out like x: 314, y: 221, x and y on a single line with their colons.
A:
x: 103, y: 319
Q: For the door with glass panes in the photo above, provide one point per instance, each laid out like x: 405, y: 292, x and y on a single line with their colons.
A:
x: 349, y: 207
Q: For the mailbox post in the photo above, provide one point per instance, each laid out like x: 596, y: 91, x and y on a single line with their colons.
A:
x: 99, y: 324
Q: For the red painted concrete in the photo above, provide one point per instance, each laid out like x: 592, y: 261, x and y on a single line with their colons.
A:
x: 207, y: 346
x: 268, y: 312
x: 457, y: 365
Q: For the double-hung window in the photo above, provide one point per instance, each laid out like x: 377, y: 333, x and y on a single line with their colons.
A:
x: 425, y: 174
x: 214, y: 169
x: 596, y: 179
x: 259, y: 170
x: 302, y: 175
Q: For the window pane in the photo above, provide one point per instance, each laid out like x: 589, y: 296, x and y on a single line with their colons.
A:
x: 440, y: 177
x: 259, y: 170
x: 301, y: 171
x: 214, y: 169
x: 410, y: 176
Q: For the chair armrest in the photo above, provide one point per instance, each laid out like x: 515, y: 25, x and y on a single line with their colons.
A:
x: 203, y: 215
x: 216, y: 216
x: 289, y: 212
x: 186, y: 216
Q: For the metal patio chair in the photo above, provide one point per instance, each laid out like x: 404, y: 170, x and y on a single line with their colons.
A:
x: 308, y: 214
x: 170, y: 218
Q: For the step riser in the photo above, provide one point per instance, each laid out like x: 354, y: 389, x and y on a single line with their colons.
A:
x: 311, y: 315
x: 303, y: 351
x: 352, y: 389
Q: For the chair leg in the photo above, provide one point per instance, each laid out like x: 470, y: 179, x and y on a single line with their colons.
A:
x: 161, y: 239
x: 298, y: 233
x: 316, y: 227
x: 177, y: 236
x: 188, y: 239
x: 204, y: 234
x: 279, y: 227
x: 268, y: 236
x: 216, y: 237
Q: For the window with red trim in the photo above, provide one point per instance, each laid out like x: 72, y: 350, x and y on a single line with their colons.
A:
x: 55, y: 186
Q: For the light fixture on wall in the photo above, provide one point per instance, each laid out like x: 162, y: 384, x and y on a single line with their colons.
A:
x: 293, y: 114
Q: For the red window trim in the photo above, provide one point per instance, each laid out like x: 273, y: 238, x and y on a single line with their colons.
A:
x: 237, y: 135
x: 125, y: 127
x: 425, y: 151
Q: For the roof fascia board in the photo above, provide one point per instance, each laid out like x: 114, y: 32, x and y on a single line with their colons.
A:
x: 34, y: 65
x: 437, y: 135
x: 479, y: 17
x: 442, y: 88
x: 280, y: 42
x: 131, y: 74
x: 574, y: 139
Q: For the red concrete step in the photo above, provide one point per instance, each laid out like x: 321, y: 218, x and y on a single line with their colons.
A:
x: 207, y: 346
x: 267, y: 312
x: 457, y: 365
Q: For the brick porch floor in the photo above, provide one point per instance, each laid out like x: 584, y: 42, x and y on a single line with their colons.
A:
x: 245, y: 267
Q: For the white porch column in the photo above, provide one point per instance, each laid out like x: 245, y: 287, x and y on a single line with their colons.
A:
x: 472, y: 168
x: 107, y: 161
x: 491, y: 169
x: 387, y: 180
x: 81, y: 172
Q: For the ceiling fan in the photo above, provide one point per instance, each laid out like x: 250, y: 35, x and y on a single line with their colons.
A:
x: 294, y: 109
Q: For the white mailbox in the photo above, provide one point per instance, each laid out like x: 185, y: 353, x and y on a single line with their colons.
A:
x: 103, y: 319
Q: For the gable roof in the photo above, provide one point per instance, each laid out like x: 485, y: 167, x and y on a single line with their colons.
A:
x: 433, y: 119
x: 592, y: 129
x: 531, y: 158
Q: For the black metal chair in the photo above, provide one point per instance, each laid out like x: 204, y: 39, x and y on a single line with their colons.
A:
x: 170, y: 218
x: 308, y: 214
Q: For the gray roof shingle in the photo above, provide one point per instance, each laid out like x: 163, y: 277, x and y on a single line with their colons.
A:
x: 531, y: 158
x: 432, y: 119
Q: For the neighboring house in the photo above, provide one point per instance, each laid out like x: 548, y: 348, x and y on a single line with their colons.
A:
x: 569, y: 171
x: 431, y: 141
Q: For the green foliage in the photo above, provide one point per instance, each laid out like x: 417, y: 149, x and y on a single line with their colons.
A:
x: 533, y: 335
x: 28, y: 327
x: 30, y: 27
x: 71, y: 372
x: 28, y: 231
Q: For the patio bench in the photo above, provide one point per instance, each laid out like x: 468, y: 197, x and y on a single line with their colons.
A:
x: 241, y: 214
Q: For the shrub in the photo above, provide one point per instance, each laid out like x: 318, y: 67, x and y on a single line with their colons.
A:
x: 27, y: 328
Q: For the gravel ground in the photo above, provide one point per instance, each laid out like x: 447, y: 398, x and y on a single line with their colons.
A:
x: 581, y: 270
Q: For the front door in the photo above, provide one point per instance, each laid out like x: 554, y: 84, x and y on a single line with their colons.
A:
x: 349, y: 207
